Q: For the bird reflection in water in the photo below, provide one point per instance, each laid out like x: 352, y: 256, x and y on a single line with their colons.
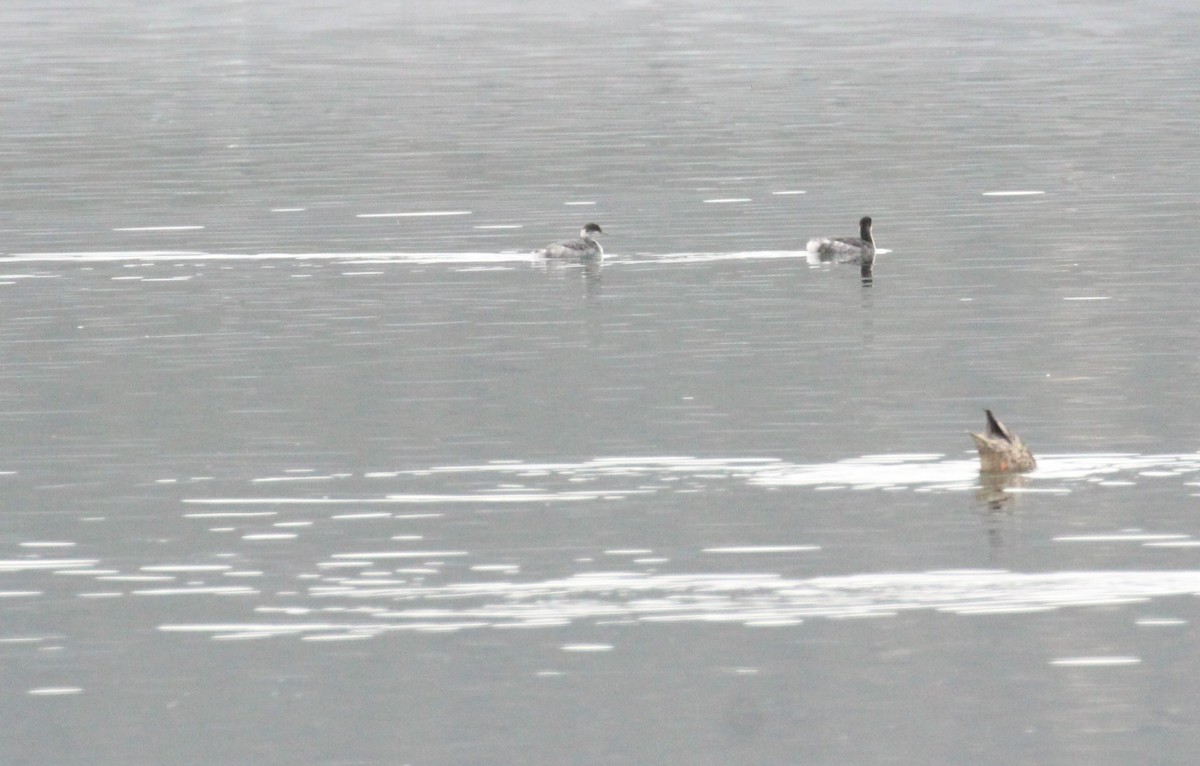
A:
x: 588, y: 266
x: 993, y: 487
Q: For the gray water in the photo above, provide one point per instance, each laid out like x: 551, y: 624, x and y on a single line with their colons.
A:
x: 305, y: 460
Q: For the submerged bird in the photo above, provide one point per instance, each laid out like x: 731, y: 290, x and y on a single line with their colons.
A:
x: 584, y: 247
x: 860, y: 249
x: 1000, y: 450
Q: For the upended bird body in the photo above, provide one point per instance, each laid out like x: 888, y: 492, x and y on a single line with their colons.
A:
x: 1000, y: 450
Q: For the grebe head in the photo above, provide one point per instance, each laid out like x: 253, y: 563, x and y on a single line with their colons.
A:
x: 864, y: 229
x: 590, y: 229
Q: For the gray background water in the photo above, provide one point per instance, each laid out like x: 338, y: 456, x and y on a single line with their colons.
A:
x: 205, y: 457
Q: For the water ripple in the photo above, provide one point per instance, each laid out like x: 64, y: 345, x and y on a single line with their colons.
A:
x: 747, y: 599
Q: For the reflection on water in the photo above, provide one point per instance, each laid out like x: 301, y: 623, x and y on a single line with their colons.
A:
x: 420, y: 259
x: 380, y: 605
x: 994, y: 488
x: 407, y: 582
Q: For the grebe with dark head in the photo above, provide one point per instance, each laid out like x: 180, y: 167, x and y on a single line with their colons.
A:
x: 860, y: 249
x: 584, y: 247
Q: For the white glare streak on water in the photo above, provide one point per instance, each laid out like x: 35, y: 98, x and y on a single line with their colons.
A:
x: 725, y: 599
x: 405, y: 599
x: 1095, y: 662
x: 927, y: 471
x: 400, y: 258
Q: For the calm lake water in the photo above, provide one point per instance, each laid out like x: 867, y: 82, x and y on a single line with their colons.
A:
x: 305, y: 460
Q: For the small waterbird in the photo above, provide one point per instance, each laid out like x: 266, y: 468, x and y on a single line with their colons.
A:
x: 584, y: 247
x: 1000, y: 450
x: 860, y: 249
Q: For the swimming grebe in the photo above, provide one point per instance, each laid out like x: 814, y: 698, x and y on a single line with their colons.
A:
x: 1000, y: 450
x: 584, y: 247
x: 860, y: 249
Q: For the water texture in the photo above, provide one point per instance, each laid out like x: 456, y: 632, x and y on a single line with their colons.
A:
x: 305, y: 458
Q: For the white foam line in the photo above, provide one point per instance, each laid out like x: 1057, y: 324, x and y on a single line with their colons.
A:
x: 581, y: 203
x: 400, y: 555
x: 105, y: 256
x: 781, y: 193
x: 230, y: 590
x: 587, y: 647
x: 268, y: 479
x: 55, y: 691
x: 243, y: 636
x: 252, y: 627
x: 749, y: 255
x: 228, y: 515
x: 621, y: 464
x: 727, y: 200
x: 1089, y: 298
x: 1095, y: 662
x: 288, y: 209
x: 501, y: 226
x: 1116, y: 538
x: 983, y: 610
x: 158, y: 228
x: 172, y: 256
x: 340, y: 636
x: 1038, y: 490
x: 528, y: 497
x: 627, y: 597
x: 779, y: 622
x: 186, y: 568
x: 422, y: 214
x: 21, y: 565
x: 763, y: 549
x: 1012, y: 193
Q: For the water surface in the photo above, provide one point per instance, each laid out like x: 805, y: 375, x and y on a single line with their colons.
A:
x: 306, y: 459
